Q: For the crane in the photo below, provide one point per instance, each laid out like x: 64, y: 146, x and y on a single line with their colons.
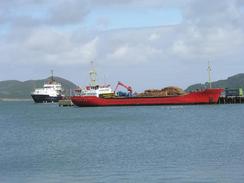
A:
x: 129, y: 88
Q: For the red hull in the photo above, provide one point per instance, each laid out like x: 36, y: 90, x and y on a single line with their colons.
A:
x: 208, y: 96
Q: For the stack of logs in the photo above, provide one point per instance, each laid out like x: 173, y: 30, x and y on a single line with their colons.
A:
x: 168, y: 91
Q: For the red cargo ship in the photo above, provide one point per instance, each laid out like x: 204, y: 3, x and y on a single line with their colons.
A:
x: 96, y: 95
x: 208, y: 96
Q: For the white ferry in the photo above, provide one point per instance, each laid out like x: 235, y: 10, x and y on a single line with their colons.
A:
x: 52, y: 91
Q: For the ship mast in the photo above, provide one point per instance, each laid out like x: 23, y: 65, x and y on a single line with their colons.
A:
x: 93, y: 75
x: 52, y: 75
x: 209, y: 75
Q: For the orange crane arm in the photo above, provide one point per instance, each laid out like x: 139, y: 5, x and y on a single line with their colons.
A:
x: 124, y: 85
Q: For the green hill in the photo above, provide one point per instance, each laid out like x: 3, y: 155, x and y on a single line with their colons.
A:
x: 236, y: 81
x: 13, y: 89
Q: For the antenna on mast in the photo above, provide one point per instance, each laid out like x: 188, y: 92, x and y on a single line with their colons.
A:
x: 52, y: 75
x: 209, y: 75
x: 93, y: 75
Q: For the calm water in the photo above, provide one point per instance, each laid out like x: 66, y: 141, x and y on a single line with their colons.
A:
x: 45, y: 143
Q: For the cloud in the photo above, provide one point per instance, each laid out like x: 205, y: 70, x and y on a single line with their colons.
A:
x: 48, y: 46
x: 208, y: 42
x: 68, y: 12
x: 56, y: 34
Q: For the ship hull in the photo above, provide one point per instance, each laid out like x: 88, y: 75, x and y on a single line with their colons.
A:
x: 45, y: 98
x: 208, y: 96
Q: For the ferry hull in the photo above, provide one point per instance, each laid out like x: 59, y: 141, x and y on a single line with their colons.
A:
x: 208, y: 96
x: 45, y: 98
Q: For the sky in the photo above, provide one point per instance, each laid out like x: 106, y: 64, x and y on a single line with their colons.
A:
x: 143, y: 43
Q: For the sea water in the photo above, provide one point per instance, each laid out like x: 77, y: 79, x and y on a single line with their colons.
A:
x: 44, y: 143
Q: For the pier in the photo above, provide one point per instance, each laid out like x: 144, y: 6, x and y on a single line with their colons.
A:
x: 231, y: 100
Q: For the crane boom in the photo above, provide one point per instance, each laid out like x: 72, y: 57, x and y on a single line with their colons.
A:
x: 129, y: 88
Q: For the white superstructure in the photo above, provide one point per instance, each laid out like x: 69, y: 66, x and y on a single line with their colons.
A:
x: 95, y: 90
x: 52, y: 89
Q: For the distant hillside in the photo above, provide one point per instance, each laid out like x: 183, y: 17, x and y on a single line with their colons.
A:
x: 236, y: 81
x: 14, y: 89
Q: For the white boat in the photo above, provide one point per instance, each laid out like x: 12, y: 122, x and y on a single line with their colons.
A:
x: 52, y: 91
